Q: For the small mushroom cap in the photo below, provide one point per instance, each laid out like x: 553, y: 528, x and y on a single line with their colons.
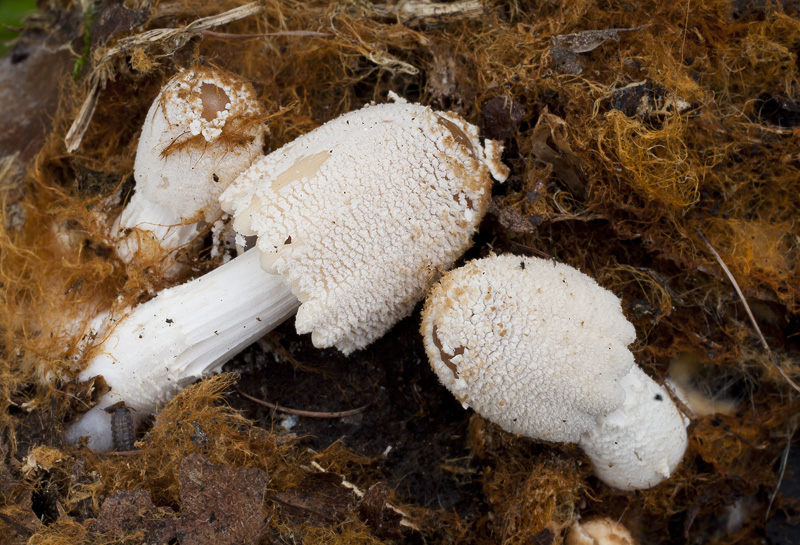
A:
x: 640, y: 444
x: 602, y: 531
x: 361, y: 214
x: 535, y: 346
x: 200, y: 133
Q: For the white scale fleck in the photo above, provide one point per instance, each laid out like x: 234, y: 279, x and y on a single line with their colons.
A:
x: 188, y: 109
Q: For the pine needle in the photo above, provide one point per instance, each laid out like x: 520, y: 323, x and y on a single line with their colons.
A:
x: 772, y: 357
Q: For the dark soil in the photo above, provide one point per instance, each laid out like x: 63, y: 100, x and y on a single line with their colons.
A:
x: 413, y: 432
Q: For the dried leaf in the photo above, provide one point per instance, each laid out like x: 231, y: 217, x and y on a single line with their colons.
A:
x: 589, y: 40
x: 319, y: 499
x: 374, y: 510
x: 648, y: 101
x: 221, y: 505
x: 86, y: 394
x: 550, y: 144
x: 501, y: 117
x: 127, y: 512
x: 449, y: 80
x: 567, y: 47
x: 510, y: 219
x: 115, y: 18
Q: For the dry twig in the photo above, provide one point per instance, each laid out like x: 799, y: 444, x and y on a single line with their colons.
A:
x: 405, y: 521
x: 311, y: 414
x: 228, y: 36
x: 171, y: 38
x: 414, y: 10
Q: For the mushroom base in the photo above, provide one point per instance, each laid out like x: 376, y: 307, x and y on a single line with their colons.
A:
x: 641, y: 443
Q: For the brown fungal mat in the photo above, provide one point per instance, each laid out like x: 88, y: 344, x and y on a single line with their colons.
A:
x: 643, y: 138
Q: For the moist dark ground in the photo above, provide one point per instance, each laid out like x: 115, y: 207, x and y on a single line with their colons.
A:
x: 412, y: 428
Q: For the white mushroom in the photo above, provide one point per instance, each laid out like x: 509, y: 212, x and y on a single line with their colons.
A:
x: 358, y: 217
x: 201, y: 132
x: 541, y: 350
x: 390, y: 193
x: 603, y: 531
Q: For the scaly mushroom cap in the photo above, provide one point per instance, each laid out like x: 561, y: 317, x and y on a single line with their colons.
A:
x: 535, y: 346
x: 200, y: 133
x: 362, y: 214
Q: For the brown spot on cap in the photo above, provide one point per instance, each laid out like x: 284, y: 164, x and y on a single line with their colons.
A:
x: 214, y: 101
x: 447, y: 359
x: 469, y: 202
x: 458, y: 135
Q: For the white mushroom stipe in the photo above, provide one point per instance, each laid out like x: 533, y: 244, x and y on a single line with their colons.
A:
x: 201, y: 132
x: 182, y: 334
x: 540, y: 349
x: 359, y: 216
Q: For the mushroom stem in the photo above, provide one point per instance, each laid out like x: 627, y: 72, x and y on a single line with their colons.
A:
x: 640, y: 444
x: 182, y: 334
